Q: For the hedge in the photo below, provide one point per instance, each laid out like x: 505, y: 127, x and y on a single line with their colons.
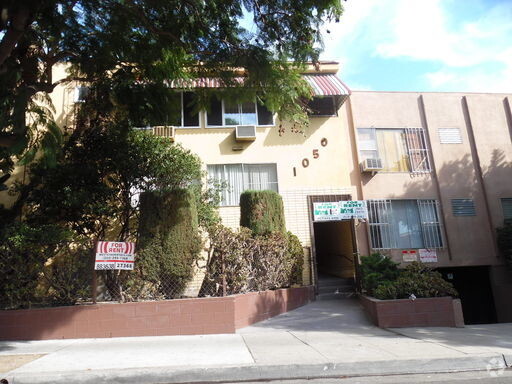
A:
x: 169, y: 240
x: 262, y: 212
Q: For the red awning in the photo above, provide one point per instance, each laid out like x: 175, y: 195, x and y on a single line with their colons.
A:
x: 322, y: 84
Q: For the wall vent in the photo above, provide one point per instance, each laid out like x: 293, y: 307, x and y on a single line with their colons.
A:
x: 450, y: 136
x: 463, y: 207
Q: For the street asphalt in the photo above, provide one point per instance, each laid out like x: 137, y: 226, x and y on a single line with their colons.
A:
x: 325, y: 339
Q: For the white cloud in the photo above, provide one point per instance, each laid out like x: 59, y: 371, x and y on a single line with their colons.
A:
x: 473, y: 54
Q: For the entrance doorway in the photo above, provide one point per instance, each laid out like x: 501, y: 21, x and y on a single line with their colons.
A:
x: 334, y: 249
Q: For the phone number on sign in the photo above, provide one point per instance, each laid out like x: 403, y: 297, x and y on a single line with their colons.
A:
x: 108, y: 266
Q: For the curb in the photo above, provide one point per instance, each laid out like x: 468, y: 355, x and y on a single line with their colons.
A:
x: 176, y: 375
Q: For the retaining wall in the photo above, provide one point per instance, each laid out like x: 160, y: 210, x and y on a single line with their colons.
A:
x: 155, y: 318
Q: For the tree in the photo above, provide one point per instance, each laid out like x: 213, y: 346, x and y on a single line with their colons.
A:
x: 129, y: 50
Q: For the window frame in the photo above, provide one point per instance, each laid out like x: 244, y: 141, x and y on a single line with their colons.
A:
x: 221, y: 205
x: 256, y: 106
x: 408, y: 144
x: 432, y: 232
x: 183, y: 116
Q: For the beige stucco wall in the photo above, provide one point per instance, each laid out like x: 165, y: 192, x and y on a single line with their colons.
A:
x: 330, y: 173
x: 456, y: 172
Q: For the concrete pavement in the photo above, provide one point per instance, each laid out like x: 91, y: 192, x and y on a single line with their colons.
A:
x: 322, y: 339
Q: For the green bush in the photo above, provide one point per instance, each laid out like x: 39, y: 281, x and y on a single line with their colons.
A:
x: 169, y: 240
x: 296, y: 253
x: 376, y: 270
x: 504, y: 235
x: 416, y: 279
x: 262, y: 212
x: 24, y: 250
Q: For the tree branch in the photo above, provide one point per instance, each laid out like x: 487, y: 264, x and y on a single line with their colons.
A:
x: 18, y: 25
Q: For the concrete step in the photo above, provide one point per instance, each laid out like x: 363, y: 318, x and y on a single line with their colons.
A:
x: 335, y: 296
x: 336, y: 283
x: 335, y: 289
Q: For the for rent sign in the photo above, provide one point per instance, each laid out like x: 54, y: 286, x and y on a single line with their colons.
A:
x: 114, y: 255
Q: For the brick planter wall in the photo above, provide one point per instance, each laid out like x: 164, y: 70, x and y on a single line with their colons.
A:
x: 155, y: 318
x: 426, y: 312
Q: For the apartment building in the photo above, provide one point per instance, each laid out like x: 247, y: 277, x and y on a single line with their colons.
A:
x: 434, y: 171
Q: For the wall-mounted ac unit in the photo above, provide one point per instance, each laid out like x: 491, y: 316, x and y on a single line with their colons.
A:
x: 371, y: 165
x: 164, y: 131
x: 245, y: 133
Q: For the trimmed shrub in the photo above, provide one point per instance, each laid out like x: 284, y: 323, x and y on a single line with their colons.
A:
x: 416, y: 279
x: 251, y: 263
x: 262, y: 212
x: 169, y: 241
x: 376, y: 270
x: 296, y: 253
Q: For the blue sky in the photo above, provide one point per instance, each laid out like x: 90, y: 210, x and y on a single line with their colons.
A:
x: 423, y: 45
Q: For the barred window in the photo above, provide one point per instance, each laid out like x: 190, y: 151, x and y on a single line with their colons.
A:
x: 242, y: 177
x: 400, y: 149
x: 404, y: 224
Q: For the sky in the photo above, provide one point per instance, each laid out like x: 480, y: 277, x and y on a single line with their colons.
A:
x: 423, y: 45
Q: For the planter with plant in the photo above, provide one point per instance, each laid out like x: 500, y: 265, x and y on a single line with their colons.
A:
x: 413, y: 296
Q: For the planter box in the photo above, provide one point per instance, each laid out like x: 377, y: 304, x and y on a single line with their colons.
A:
x: 151, y: 318
x: 429, y: 312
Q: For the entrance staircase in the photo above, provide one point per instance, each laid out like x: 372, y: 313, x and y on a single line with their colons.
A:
x: 333, y: 288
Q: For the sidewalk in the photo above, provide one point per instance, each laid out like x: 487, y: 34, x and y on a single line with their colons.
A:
x: 322, y: 339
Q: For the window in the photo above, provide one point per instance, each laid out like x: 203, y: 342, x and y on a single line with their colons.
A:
x: 322, y: 106
x: 506, y: 205
x: 179, y: 111
x: 81, y: 94
x: 400, y: 150
x: 463, y: 207
x: 225, y: 114
x: 449, y: 136
x: 242, y: 177
x: 404, y: 224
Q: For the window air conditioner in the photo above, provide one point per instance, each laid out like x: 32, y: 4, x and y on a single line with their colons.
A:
x: 371, y: 165
x: 245, y: 133
x: 164, y: 131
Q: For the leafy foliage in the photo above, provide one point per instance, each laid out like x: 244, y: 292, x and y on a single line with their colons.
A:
x: 416, y: 279
x: 169, y: 241
x: 505, y: 241
x: 243, y: 262
x: 376, y: 270
x: 262, y: 212
x: 115, y: 46
x: 296, y: 252
x: 24, y: 251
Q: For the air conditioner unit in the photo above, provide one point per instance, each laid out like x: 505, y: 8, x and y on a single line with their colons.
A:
x: 245, y: 133
x: 371, y: 165
x: 164, y: 131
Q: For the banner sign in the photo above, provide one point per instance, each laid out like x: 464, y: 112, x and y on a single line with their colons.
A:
x: 114, y: 255
x: 355, y: 209
x: 428, y: 255
x: 326, y: 211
